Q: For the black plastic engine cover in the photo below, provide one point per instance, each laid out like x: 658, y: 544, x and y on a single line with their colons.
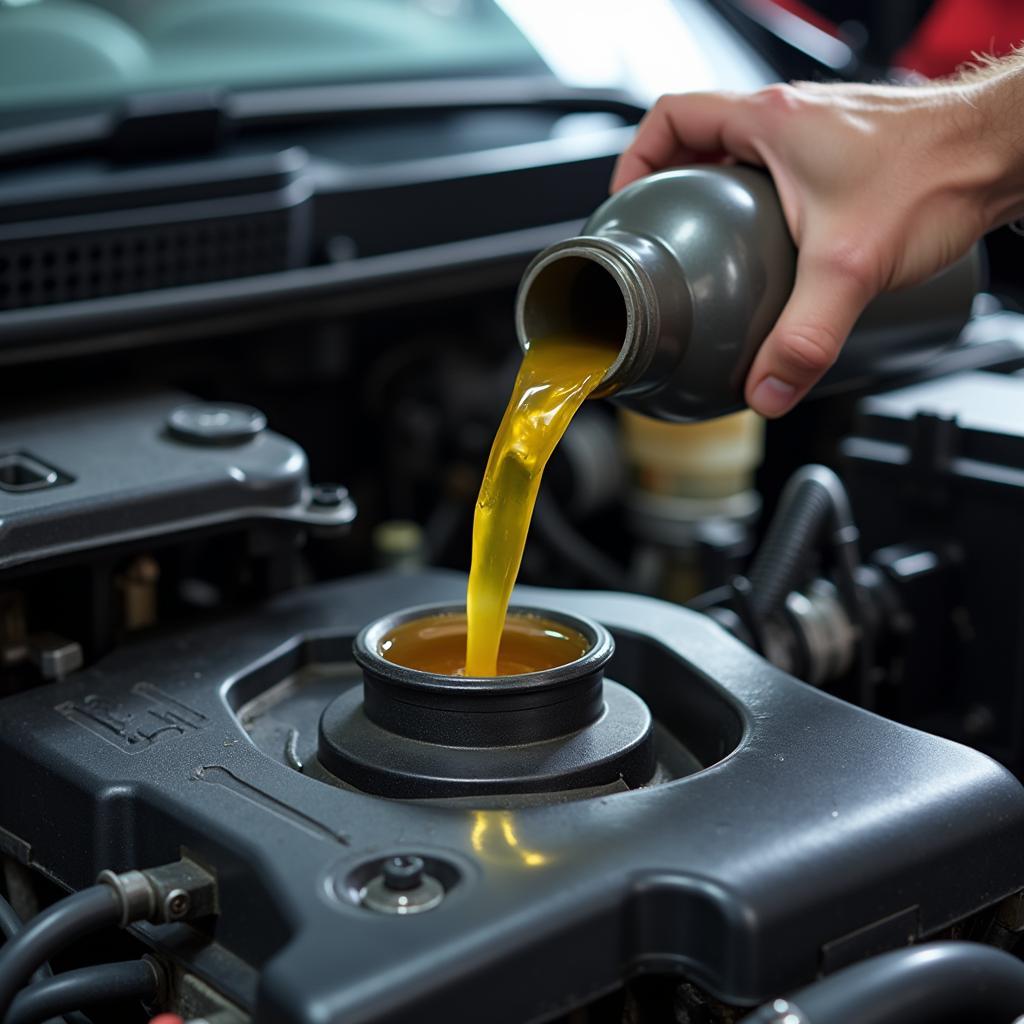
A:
x: 128, y: 468
x: 814, y: 833
x: 936, y: 477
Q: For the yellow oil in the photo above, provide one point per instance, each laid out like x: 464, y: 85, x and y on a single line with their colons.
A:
x: 437, y: 643
x: 496, y: 840
x: 556, y: 375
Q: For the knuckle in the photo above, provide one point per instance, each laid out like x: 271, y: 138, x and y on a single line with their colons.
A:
x: 809, y: 351
x: 780, y: 97
x: 664, y: 101
x: 660, y: 112
x: 855, y: 264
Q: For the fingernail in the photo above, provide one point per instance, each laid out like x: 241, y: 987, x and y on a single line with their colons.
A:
x: 772, y: 397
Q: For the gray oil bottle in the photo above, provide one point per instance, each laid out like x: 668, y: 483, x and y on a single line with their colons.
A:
x: 688, y: 270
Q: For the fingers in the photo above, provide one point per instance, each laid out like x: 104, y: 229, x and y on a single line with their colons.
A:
x: 682, y: 128
x: 833, y: 283
x: 827, y: 299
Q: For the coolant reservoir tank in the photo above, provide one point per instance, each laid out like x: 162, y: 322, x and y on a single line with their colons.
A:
x: 684, y: 476
x: 708, y: 460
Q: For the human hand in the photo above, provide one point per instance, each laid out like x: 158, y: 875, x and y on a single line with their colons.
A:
x: 881, y: 186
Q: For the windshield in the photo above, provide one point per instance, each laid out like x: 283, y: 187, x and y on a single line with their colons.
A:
x: 74, y: 51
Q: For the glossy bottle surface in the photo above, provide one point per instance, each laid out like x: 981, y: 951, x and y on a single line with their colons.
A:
x: 688, y: 270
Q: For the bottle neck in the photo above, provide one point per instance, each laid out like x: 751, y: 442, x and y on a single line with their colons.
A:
x: 599, y: 287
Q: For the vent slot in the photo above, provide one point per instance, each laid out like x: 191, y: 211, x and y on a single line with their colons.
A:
x: 73, y: 268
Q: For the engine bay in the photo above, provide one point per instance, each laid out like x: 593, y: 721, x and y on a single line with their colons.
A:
x: 254, y: 346
x: 782, y: 830
x: 782, y: 836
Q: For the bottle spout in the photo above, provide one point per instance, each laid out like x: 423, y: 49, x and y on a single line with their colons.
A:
x: 590, y: 288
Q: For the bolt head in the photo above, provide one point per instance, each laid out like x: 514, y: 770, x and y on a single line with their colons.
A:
x: 401, y: 874
x: 402, y: 887
x: 176, y: 904
x: 329, y: 495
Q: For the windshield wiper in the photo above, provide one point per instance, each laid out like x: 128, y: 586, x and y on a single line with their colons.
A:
x: 153, y: 126
x: 150, y: 125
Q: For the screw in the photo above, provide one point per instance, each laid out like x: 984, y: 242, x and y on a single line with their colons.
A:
x: 403, y: 873
x: 176, y: 904
x: 329, y: 495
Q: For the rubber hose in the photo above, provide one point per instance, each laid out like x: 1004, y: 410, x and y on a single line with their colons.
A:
x: 569, y: 544
x: 52, y: 930
x: 10, y: 923
x: 936, y: 983
x: 814, y: 499
x: 87, y: 986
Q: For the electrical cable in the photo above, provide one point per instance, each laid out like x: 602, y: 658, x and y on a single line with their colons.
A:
x: 52, y: 930
x: 87, y: 986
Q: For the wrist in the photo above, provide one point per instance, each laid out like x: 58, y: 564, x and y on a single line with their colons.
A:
x: 992, y: 141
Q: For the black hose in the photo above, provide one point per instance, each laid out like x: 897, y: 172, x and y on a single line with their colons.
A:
x: 52, y: 930
x: 73, y: 1017
x: 10, y: 923
x: 87, y: 986
x: 814, y: 500
x: 571, y: 546
x: 937, y: 983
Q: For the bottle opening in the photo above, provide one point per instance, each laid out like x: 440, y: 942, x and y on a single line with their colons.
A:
x: 575, y: 296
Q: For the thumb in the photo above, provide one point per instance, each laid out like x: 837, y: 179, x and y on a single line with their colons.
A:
x: 827, y: 299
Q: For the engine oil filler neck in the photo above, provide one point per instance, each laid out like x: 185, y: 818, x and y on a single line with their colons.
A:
x: 413, y: 733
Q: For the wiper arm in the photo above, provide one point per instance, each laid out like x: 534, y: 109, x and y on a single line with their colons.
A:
x: 373, y: 102
x: 176, y: 124
x: 150, y: 125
